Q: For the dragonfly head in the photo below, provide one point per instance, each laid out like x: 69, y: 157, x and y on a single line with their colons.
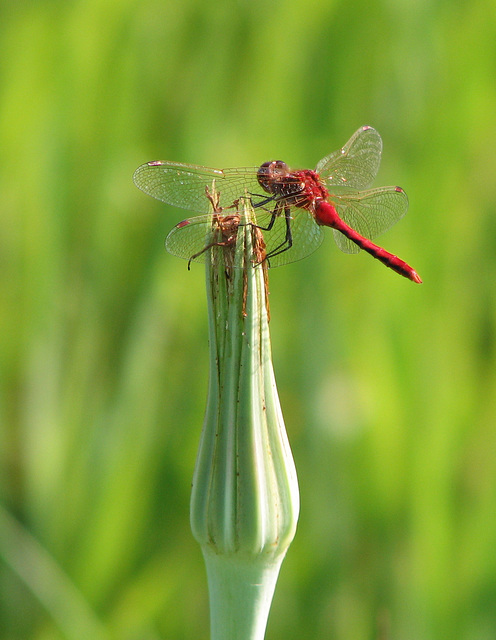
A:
x: 271, y: 174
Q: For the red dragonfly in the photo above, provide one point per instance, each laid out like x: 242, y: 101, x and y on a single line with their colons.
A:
x: 294, y: 206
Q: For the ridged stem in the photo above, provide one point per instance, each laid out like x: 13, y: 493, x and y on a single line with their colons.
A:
x: 244, y: 504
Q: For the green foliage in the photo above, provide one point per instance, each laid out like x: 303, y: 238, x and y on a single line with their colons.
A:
x: 388, y: 388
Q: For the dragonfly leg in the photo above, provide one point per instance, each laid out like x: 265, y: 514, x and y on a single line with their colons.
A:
x: 288, y: 240
x: 227, y: 243
x: 263, y: 202
x: 274, y: 215
x: 287, y: 243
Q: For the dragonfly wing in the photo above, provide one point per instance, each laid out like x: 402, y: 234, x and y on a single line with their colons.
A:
x: 356, y: 164
x: 369, y: 212
x: 306, y: 235
x: 183, y: 185
x: 189, y: 237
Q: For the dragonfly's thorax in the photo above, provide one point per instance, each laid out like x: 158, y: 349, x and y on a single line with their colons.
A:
x: 297, y: 188
x: 313, y: 189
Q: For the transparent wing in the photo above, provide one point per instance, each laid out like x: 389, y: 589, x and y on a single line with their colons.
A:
x: 356, y: 164
x: 369, y: 212
x: 306, y: 234
x: 189, y: 238
x: 183, y: 185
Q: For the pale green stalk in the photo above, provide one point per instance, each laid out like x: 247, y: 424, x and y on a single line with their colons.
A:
x: 244, y: 504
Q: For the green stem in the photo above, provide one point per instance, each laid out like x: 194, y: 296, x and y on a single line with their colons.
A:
x: 244, y: 504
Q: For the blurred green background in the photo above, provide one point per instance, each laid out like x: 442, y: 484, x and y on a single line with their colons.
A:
x: 388, y: 388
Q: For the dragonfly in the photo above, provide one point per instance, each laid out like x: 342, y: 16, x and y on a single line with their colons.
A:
x: 291, y: 207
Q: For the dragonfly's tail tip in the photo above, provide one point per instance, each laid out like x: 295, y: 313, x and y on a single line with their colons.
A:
x: 415, y: 277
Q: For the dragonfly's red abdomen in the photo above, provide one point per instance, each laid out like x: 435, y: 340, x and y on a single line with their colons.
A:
x: 325, y: 214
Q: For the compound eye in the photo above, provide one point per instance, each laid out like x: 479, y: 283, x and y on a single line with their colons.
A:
x: 280, y: 168
x: 264, y: 170
x: 270, y: 172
